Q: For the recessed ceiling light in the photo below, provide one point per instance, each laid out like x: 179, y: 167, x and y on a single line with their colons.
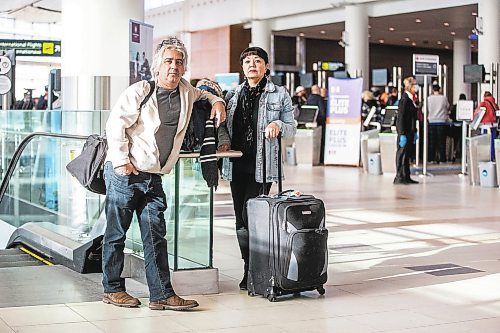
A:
x: 391, y: 29
x: 369, y: 26
x: 322, y: 32
x: 474, y: 14
x: 471, y: 45
x: 446, y: 47
x: 407, y: 39
x: 439, y: 42
x: 381, y: 41
x: 453, y: 33
x: 418, y: 20
x: 446, y: 24
x: 369, y: 36
x: 413, y: 43
x: 301, y: 34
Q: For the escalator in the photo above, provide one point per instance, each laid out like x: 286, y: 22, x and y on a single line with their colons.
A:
x: 62, y: 228
x: 50, y: 228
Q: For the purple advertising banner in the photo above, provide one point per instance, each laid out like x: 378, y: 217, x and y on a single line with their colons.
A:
x: 343, y: 124
x: 344, y: 99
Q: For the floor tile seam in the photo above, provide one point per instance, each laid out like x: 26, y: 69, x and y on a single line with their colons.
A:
x: 458, y: 321
x: 170, y: 314
x: 6, y: 324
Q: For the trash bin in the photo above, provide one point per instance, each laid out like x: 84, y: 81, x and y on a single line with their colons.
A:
x: 291, y: 158
x: 487, y: 174
x: 374, y: 164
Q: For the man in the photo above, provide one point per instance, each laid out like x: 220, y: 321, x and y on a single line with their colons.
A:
x: 316, y: 100
x: 438, y: 115
x: 300, y: 97
x: 407, y: 134
x: 144, y: 143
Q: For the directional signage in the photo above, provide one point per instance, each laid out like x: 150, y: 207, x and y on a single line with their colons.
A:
x: 5, y: 65
x: 425, y: 64
x: 25, y: 47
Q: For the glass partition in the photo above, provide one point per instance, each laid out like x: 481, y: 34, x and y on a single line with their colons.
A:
x: 41, y: 190
x: 15, y: 125
x: 188, y: 216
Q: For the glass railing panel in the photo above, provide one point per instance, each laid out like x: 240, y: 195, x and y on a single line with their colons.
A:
x: 193, y: 209
x: 15, y: 125
x: 41, y: 190
x: 193, y: 244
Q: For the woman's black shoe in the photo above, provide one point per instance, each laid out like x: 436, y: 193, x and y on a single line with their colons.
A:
x: 243, y: 283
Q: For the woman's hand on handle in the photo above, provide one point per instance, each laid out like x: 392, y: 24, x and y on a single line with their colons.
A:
x: 272, y: 131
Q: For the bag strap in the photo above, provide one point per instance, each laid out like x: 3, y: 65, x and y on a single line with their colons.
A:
x: 493, y: 106
x: 151, y: 90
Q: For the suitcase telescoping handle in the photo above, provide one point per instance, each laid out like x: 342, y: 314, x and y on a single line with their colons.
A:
x: 264, y: 176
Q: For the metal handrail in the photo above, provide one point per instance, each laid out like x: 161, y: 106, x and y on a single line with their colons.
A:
x: 19, y: 150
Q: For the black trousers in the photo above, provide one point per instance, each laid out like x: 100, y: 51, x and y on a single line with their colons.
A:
x: 437, y: 143
x: 244, y: 187
x: 403, y: 157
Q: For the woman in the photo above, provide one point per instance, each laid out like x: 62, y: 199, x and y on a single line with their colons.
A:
x: 254, y: 107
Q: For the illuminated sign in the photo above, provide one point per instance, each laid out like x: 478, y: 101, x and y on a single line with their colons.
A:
x: 28, y: 47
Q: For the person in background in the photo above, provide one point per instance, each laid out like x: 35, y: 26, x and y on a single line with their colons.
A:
x: 393, y: 97
x: 369, y: 102
x: 489, y: 121
x: 438, y: 117
x: 143, y: 145
x: 42, y: 102
x: 255, y: 107
x: 456, y: 130
x: 300, y: 97
x: 407, y: 132
x: 316, y: 100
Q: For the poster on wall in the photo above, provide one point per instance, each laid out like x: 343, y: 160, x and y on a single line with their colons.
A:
x: 228, y: 81
x: 343, y: 123
x: 140, y: 51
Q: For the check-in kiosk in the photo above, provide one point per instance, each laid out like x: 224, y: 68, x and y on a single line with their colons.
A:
x: 307, y: 141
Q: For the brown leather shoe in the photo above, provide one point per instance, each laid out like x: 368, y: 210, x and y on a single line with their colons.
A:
x: 121, y: 298
x: 173, y: 303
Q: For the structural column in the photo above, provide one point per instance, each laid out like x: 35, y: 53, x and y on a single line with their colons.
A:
x: 356, y: 42
x: 461, y: 57
x: 489, y: 41
x: 261, y: 34
x: 95, y: 51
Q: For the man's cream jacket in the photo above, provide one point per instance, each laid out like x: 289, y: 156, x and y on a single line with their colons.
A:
x: 131, y: 132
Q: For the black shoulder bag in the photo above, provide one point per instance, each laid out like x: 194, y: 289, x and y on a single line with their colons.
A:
x: 88, y: 167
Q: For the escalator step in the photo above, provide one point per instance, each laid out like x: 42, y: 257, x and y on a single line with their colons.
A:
x: 21, y: 264
x: 17, y: 258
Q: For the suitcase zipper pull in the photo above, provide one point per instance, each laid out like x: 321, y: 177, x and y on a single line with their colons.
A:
x: 272, y: 281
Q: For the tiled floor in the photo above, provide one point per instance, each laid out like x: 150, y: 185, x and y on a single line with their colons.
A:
x: 408, y: 258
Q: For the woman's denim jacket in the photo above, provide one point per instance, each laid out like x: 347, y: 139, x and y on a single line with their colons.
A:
x: 275, y: 105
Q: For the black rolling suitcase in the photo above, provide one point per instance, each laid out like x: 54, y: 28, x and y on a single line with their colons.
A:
x: 287, y: 242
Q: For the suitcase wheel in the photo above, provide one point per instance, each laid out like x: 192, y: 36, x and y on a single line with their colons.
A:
x: 271, y: 298
x: 321, y: 290
x: 251, y: 293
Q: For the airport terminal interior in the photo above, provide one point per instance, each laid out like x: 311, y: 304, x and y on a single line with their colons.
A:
x: 405, y: 257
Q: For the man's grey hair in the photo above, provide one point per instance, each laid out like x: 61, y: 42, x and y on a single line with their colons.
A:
x: 170, y: 43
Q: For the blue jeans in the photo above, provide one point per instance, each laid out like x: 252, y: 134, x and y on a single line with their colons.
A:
x: 144, y: 195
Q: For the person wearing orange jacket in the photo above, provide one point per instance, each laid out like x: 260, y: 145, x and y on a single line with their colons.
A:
x: 489, y: 119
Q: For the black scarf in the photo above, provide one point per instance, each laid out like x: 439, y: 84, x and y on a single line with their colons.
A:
x: 243, y: 135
